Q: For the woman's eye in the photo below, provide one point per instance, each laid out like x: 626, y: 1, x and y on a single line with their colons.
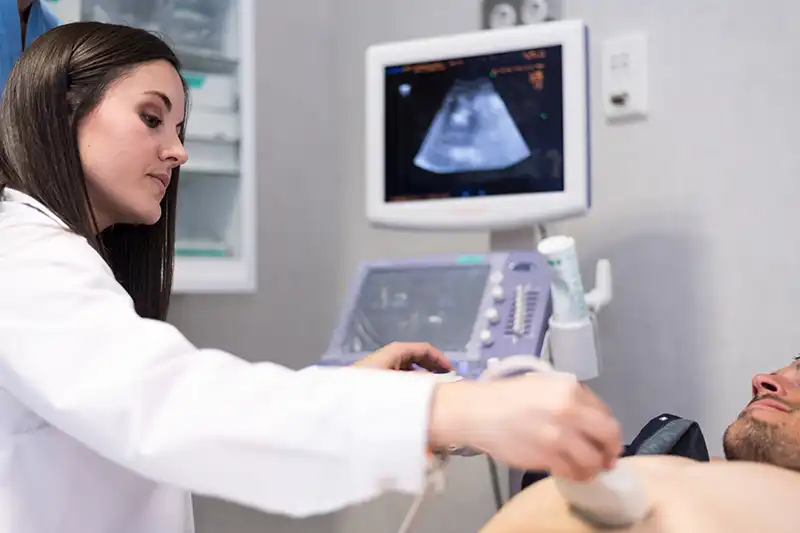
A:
x: 151, y: 121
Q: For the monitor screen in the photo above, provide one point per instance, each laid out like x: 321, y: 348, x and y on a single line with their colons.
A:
x: 475, y: 126
x: 435, y: 304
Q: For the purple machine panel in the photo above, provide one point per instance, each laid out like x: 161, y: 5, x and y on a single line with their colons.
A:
x: 472, y: 307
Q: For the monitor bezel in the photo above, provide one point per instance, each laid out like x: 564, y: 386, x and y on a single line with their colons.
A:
x: 484, y: 212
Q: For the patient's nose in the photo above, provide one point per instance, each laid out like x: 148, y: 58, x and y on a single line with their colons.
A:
x: 768, y: 384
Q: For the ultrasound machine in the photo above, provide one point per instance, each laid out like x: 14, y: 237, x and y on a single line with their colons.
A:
x: 480, y: 131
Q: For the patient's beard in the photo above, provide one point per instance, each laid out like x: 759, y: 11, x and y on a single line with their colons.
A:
x: 749, y: 439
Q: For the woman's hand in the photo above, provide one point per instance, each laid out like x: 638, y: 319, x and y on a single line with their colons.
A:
x: 404, y: 355
x: 534, y: 422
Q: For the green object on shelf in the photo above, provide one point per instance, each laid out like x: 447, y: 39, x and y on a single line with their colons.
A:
x: 194, y: 80
x: 200, y: 252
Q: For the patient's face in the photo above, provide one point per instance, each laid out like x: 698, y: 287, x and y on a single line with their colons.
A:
x: 768, y: 429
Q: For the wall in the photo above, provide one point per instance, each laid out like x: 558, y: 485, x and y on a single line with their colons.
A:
x: 695, y: 207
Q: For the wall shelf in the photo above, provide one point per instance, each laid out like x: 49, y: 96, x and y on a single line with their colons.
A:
x: 210, y: 170
x: 206, y: 61
x: 216, y: 221
x: 201, y: 248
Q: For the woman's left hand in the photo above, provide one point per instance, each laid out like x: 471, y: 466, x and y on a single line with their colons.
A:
x: 404, y: 355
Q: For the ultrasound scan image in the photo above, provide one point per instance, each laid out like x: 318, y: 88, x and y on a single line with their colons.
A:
x: 487, y: 125
x: 472, y: 131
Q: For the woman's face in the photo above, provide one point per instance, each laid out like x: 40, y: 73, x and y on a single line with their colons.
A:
x: 129, y: 145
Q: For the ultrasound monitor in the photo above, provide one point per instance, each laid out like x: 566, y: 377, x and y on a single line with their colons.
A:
x: 479, y: 131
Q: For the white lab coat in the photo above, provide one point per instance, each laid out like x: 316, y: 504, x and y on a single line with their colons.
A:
x: 109, y: 421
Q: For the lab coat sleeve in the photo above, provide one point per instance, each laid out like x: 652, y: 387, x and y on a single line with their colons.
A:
x: 139, y: 393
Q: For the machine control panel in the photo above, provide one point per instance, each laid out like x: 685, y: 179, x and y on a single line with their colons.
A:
x: 472, y: 307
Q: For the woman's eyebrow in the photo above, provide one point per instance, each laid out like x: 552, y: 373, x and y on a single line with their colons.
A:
x: 164, y: 98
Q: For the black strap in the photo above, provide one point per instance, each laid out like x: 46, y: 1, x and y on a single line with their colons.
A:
x: 665, y: 434
x: 665, y: 438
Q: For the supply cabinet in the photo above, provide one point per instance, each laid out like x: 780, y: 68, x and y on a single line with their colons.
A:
x: 216, y: 220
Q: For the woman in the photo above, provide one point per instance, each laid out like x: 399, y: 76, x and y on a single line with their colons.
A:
x: 20, y: 23
x: 109, y: 417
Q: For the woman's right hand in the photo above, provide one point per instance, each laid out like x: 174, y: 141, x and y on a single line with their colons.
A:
x: 535, y: 422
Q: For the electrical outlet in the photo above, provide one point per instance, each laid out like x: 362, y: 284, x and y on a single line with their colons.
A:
x: 505, y: 13
x: 625, y: 77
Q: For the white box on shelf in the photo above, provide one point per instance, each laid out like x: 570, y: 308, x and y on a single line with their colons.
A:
x: 211, y: 91
x: 213, y: 275
x: 210, y: 125
x: 212, y: 157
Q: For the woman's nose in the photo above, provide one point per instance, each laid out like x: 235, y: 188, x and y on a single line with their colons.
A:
x: 768, y: 384
x: 176, y: 153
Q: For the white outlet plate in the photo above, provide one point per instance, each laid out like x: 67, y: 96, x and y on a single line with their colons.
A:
x: 505, y: 13
x: 624, y: 81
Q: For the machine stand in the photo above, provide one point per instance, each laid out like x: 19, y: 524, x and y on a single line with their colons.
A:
x: 513, y: 239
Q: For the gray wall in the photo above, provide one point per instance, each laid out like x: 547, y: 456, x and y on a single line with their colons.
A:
x: 696, y: 208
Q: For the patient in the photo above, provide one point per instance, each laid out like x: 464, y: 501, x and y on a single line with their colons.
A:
x: 757, y: 489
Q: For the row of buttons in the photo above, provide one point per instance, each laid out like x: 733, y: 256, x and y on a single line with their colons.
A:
x: 492, y: 314
x: 498, y: 295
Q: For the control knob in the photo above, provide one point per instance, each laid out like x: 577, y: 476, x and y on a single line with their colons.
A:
x: 498, y: 294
